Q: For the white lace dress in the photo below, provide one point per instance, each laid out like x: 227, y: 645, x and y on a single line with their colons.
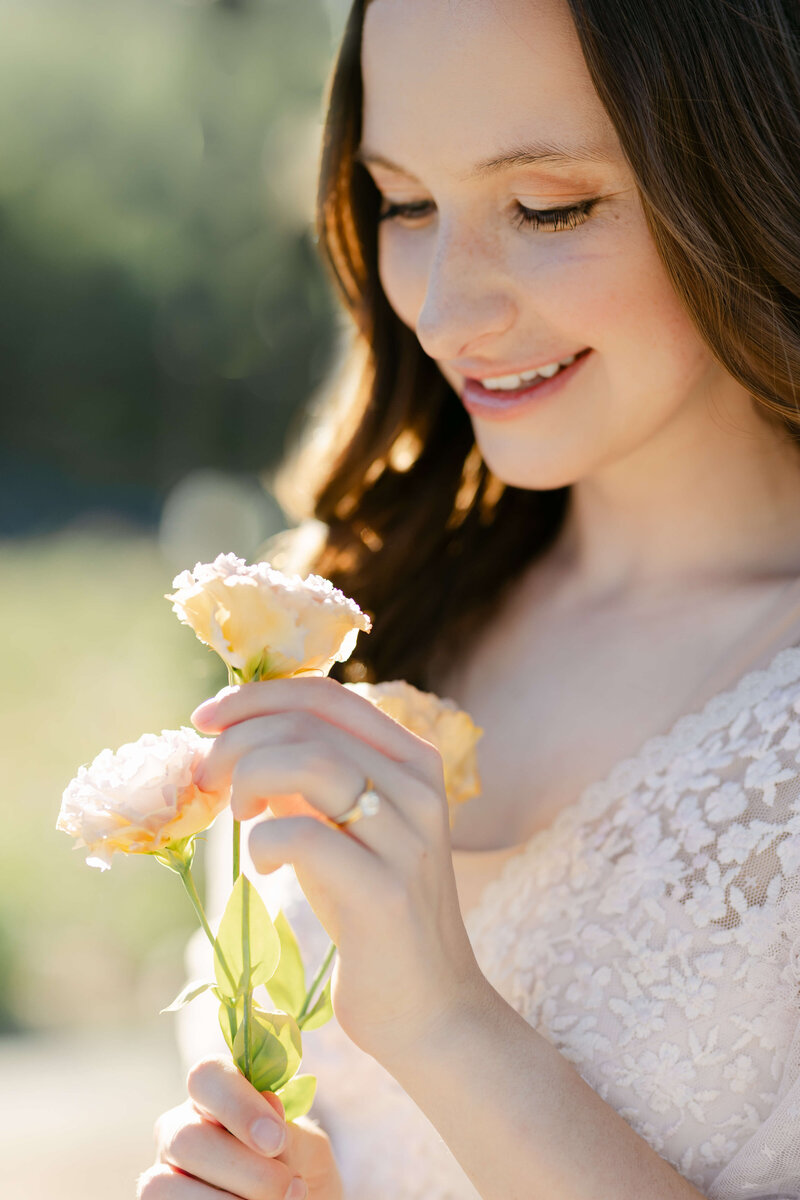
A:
x: 652, y: 934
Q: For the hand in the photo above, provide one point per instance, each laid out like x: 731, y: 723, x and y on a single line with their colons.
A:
x: 383, y: 887
x: 206, y: 1147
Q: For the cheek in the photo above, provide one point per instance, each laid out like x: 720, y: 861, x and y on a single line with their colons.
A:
x: 618, y: 298
x: 403, y: 270
x: 640, y: 312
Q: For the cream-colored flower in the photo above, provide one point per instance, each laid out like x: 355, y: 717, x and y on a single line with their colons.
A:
x: 440, y: 722
x: 141, y: 798
x: 264, y: 624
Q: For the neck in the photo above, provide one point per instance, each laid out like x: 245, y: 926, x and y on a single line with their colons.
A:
x: 713, y: 498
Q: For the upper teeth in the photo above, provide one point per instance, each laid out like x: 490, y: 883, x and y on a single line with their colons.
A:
x: 507, y: 382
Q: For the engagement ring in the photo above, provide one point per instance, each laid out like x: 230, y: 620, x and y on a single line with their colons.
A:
x: 366, y: 805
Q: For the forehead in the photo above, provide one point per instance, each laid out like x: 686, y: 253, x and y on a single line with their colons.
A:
x: 448, y: 82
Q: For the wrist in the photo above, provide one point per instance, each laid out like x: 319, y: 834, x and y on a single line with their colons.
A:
x: 448, y: 1029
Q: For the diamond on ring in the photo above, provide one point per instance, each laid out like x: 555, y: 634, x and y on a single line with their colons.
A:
x: 369, y: 802
x: 366, y: 805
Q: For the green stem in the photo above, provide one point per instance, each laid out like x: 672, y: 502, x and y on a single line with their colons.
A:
x: 237, y: 835
x: 236, y: 824
x: 189, y: 884
x: 315, y: 984
x: 248, y: 995
x: 247, y: 999
x: 185, y: 873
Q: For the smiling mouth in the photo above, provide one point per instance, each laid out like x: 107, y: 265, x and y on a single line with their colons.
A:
x: 509, y: 386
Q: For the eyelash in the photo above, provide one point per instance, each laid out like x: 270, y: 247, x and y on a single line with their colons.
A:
x: 555, y: 220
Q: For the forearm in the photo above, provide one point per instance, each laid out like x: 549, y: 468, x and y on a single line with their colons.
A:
x: 521, y: 1121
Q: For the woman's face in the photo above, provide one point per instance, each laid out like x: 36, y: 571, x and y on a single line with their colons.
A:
x: 487, y: 111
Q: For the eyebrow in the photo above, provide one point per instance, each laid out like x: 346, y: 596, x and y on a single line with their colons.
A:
x: 538, y: 154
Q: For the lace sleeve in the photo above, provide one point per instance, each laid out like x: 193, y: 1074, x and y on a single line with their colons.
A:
x: 767, y: 1166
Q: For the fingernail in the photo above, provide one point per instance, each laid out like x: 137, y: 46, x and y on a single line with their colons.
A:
x: 297, y: 1190
x: 268, y: 1135
x: 208, y: 706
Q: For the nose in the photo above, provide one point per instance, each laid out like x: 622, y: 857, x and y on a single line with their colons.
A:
x: 467, y: 305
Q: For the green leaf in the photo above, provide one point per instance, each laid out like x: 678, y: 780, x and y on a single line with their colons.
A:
x: 225, y: 1023
x: 275, y: 1049
x: 287, y: 987
x: 297, y: 1095
x: 285, y: 1028
x: 245, y: 915
x: 189, y: 993
x: 321, y: 1012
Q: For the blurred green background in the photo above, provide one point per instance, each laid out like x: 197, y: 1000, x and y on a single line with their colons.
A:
x: 163, y: 322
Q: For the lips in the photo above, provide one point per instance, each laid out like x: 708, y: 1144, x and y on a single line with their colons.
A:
x: 501, y: 404
x: 526, y: 383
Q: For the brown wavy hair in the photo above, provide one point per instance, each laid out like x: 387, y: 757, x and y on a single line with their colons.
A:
x: 705, y: 98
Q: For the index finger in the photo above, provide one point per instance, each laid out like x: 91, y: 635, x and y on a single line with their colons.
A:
x: 324, y: 697
x: 217, y: 1086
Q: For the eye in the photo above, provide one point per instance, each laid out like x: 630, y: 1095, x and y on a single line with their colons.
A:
x: 554, y: 219
x: 407, y: 212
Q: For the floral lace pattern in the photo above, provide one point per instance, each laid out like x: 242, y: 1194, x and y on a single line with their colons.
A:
x: 652, y: 934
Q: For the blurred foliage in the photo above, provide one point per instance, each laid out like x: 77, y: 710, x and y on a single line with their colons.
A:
x: 161, y: 304
x: 162, y: 312
x: 95, y: 658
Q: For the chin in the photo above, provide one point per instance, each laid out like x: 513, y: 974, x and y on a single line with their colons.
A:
x: 533, y: 471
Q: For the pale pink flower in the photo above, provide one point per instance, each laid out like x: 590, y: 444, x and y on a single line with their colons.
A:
x: 141, y: 798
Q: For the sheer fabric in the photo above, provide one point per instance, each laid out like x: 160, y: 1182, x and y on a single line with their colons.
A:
x: 652, y: 934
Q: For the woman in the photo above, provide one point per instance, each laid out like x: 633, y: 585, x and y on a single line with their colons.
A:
x: 568, y: 490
